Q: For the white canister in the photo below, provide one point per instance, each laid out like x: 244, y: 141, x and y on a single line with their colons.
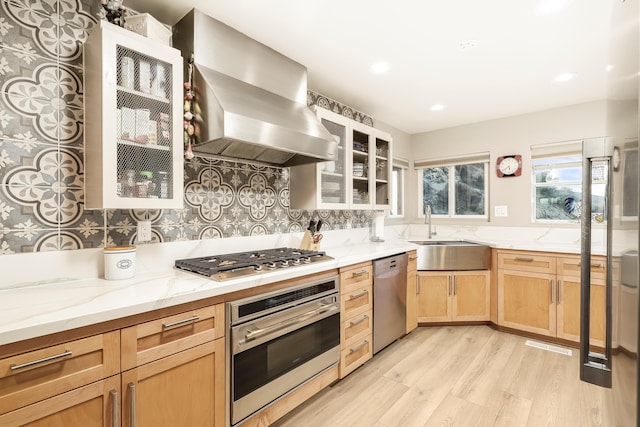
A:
x: 127, y: 72
x: 119, y: 262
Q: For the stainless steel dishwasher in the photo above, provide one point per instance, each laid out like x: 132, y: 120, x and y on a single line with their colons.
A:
x: 389, y: 300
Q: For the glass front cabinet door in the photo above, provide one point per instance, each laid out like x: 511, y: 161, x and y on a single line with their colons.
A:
x: 359, y: 179
x: 133, y: 121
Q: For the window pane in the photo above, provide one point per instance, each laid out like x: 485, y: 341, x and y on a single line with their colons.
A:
x: 397, y: 192
x: 435, y: 184
x: 559, y: 174
x: 469, y: 189
x: 630, y: 184
x: 558, y: 203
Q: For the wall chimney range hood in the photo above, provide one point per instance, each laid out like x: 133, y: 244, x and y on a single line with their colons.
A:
x: 252, y: 98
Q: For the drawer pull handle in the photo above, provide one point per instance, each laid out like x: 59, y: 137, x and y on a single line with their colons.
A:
x: 67, y: 353
x: 358, y: 295
x: 522, y: 258
x: 132, y: 404
x: 598, y: 265
x: 359, y: 273
x: 413, y: 258
x: 178, y: 323
x: 359, y: 346
x: 114, y: 408
x: 360, y: 320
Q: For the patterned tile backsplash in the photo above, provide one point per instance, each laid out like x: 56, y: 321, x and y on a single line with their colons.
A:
x: 41, y: 153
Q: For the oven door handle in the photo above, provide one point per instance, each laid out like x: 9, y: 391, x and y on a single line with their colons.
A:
x: 257, y: 333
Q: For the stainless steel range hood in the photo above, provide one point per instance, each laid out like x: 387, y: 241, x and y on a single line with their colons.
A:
x: 252, y: 98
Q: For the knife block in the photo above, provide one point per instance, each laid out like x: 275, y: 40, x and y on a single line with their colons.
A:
x: 307, y: 242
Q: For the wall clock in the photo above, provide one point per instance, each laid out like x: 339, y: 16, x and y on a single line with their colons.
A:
x: 509, y: 165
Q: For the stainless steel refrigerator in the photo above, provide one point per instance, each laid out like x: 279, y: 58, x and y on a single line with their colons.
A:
x: 609, y: 226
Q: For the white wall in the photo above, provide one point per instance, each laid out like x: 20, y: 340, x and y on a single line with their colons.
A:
x: 511, y: 135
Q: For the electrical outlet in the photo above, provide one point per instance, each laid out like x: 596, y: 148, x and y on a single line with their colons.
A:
x: 501, y: 211
x: 144, y: 231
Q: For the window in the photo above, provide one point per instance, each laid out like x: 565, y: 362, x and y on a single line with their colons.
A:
x: 557, y: 191
x: 397, y: 187
x: 457, y: 188
x: 557, y: 184
x: 630, y: 182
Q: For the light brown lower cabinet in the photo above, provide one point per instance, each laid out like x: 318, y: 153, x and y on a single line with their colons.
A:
x: 93, y: 405
x: 446, y: 296
x: 540, y: 293
x: 412, y: 292
x: 186, y: 388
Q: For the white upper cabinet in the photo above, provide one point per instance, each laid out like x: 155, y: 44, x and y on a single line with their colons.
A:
x: 359, y: 179
x: 133, y: 100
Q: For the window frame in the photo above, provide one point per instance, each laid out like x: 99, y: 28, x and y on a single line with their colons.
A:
x: 535, y: 185
x: 451, y: 165
x: 401, y: 166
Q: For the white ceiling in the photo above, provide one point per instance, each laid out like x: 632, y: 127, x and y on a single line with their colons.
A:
x: 510, y: 71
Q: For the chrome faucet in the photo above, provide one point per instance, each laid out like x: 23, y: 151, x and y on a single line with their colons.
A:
x: 427, y: 220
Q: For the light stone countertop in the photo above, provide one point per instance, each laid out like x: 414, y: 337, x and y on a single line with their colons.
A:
x: 36, y: 309
x: 45, y: 293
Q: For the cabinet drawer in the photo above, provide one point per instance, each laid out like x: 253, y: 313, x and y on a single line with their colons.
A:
x: 355, y: 354
x: 527, y: 261
x: 355, y: 325
x: 412, y: 264
x: 153, y: 340
x: 30, y: 377
x: 356, y: 302
x: 356, y: 276
x: 570, y: 266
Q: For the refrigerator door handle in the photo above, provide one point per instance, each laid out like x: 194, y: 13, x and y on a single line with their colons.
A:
x: 595, y: 368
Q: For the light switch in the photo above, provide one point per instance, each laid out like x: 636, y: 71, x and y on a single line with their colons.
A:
x: 501, y: 211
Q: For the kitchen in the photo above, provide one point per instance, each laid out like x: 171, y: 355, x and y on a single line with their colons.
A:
x: 269, y: 226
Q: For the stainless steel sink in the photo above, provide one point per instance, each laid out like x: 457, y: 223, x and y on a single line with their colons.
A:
x: 452, y: 255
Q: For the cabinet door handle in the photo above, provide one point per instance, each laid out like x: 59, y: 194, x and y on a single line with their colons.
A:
x: 522, y: 258
x: 66, y: 353
x: 559, y: 291
x: 358, y: 347
x: 360, y: 320
x: 358, y: 273
x: 132, y: 404
x: 449, y: 285
x: 413, y: 258
x: 179, y: 323
x: 417, y: 285
x: 551, y: 283
x: 114, y: 408
x: 358, y: 295
x: 455, y: 286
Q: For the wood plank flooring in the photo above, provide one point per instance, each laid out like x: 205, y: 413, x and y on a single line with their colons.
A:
x: 459, y: 376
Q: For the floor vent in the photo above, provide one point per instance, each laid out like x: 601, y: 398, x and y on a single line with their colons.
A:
x: 548, y: 347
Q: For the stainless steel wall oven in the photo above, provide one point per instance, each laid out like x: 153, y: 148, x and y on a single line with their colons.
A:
x: 280, y: 340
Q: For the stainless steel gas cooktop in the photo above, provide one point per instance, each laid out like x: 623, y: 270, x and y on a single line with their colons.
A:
x: 230, y: 266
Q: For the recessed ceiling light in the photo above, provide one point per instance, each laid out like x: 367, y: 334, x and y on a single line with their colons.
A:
x: 565, y: 77
x: 380, y: 67
x: 437, y: 107
x: 547, y: 7
x: 467, y: 45
x: 609, y: 67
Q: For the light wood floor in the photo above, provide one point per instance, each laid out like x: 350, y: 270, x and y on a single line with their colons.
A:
x: 459, y: 376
